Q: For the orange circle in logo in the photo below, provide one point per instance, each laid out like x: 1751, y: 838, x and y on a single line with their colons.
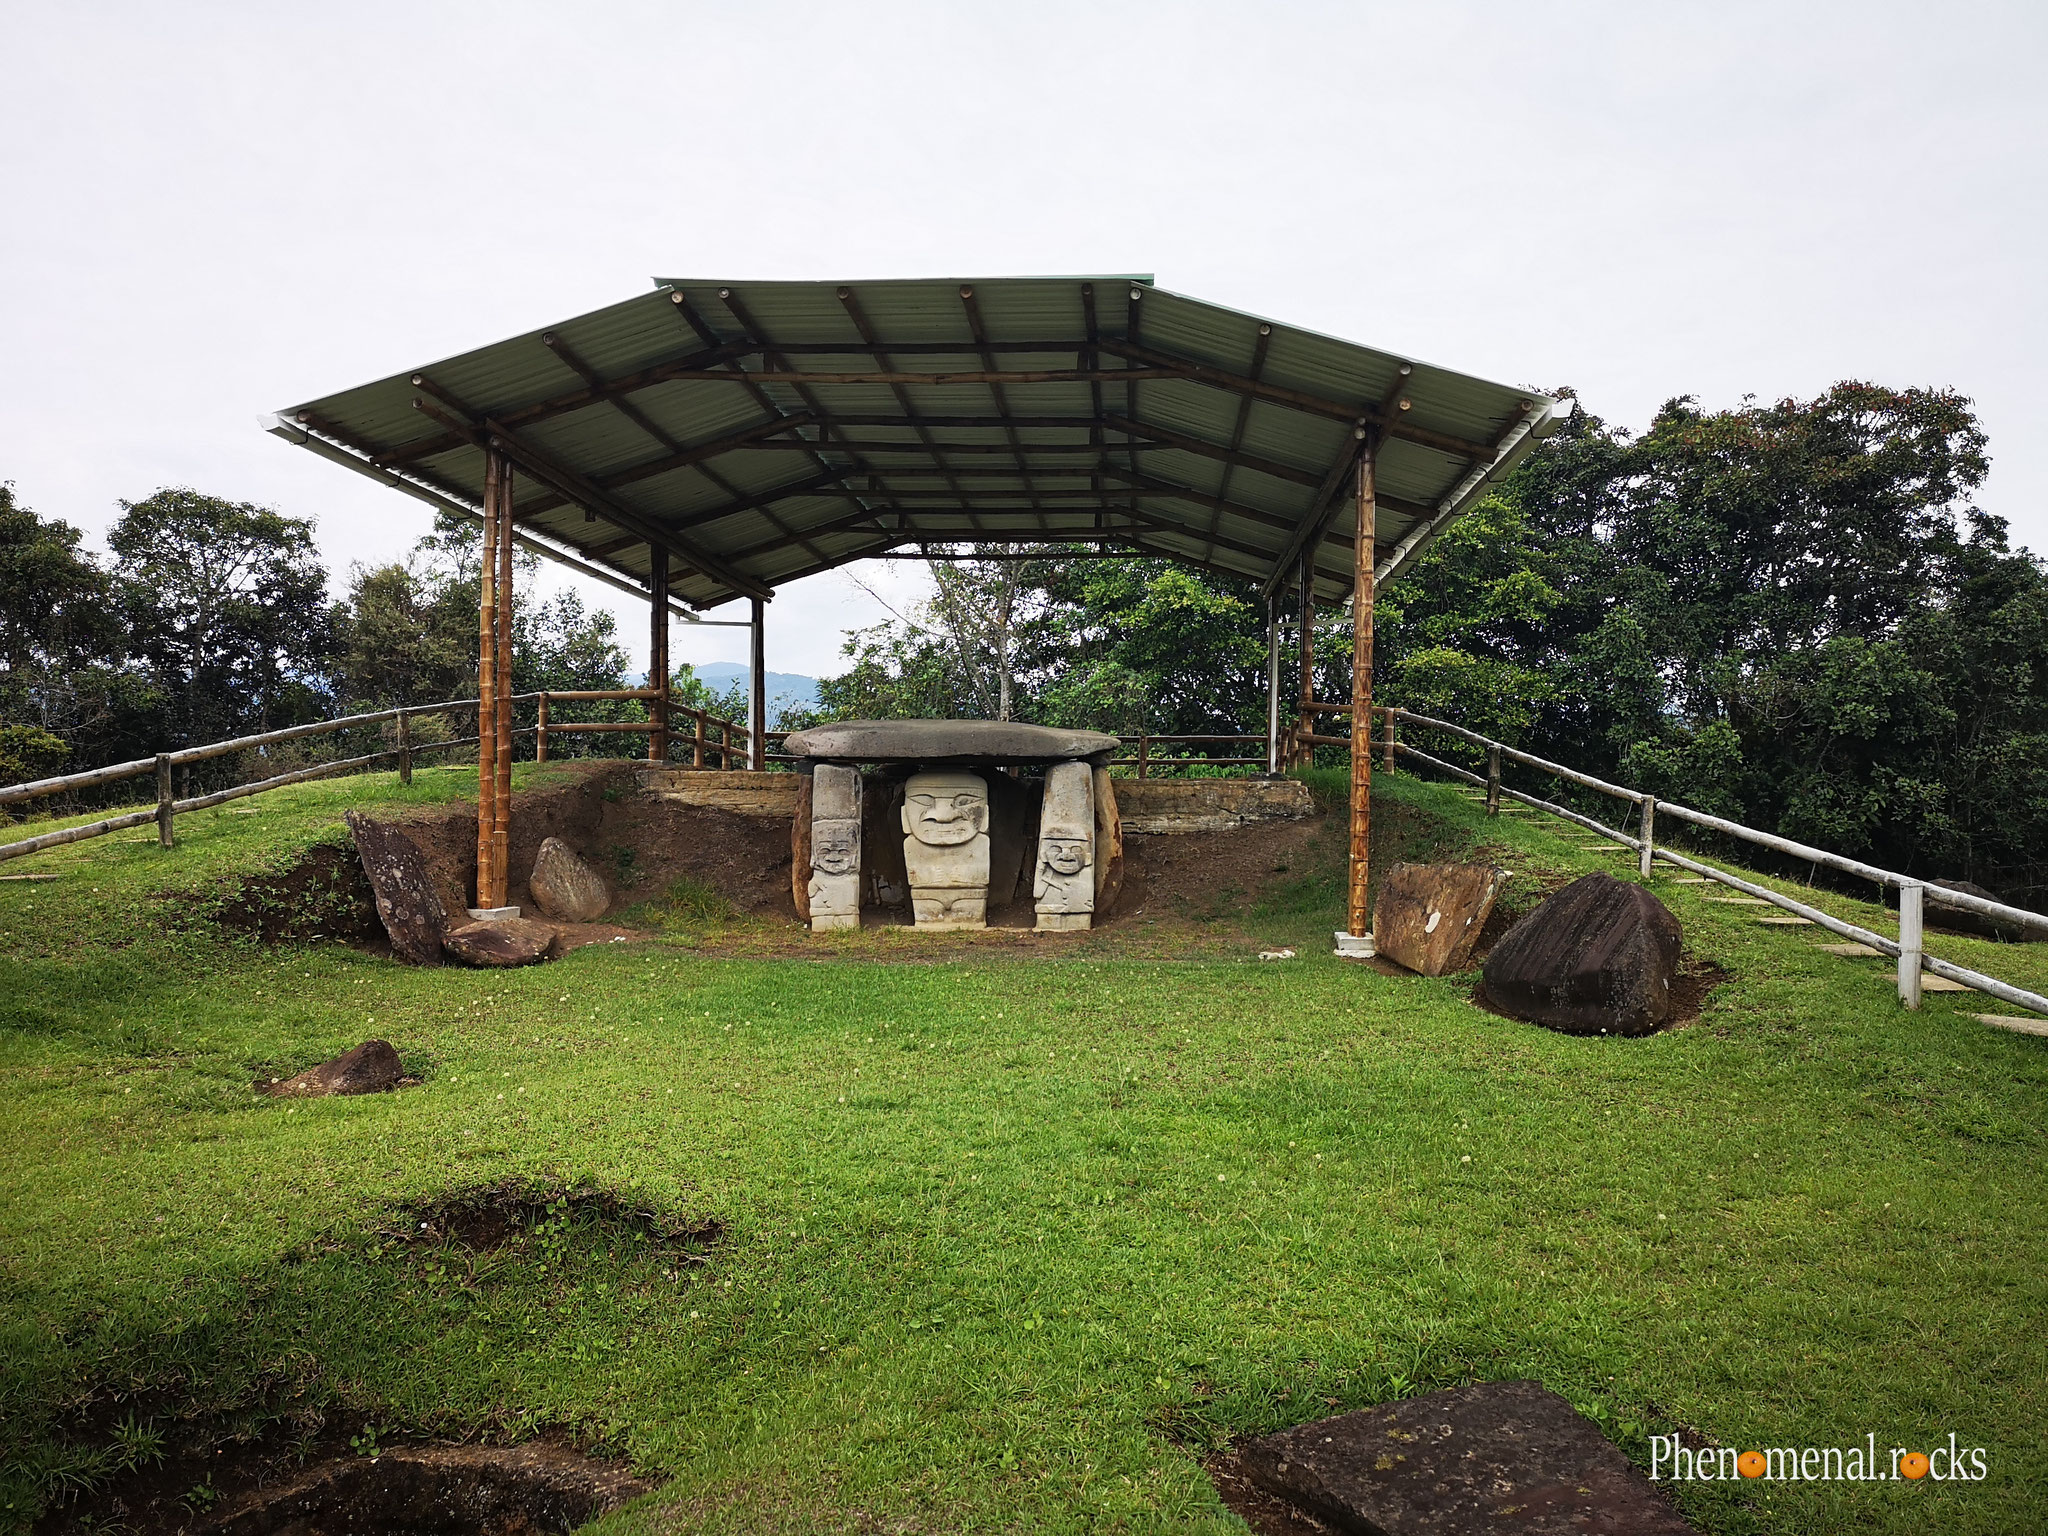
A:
x: 1750, y: 1463
x: 1913, y: 1465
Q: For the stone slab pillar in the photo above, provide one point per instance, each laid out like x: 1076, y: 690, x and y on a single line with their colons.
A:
x: 945, y: 848
x: 835, y: 847
x: 1063, y: 884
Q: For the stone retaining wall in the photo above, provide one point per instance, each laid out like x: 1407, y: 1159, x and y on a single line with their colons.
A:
x: 741, y: 792
x: 1208, y: 805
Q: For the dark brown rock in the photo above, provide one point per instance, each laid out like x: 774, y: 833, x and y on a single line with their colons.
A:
x: 566, y: 888
x: 371, y: 1067
x: 1012, y: 827
x: 1428, y: 917
x: 505, y: 941
x: 800, y: 847
x: 407, y: 903
x: 885, y: 880
x: 1109, y: 845
x: 1491, y: 1458
x: 1598, y: 957
x: 1957, y: 920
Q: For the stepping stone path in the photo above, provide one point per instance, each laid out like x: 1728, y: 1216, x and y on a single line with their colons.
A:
x: 1852, y: 951
x: 1929, y: 982
x: 1492, y: 1457
x: 1740, y: 901
x: 1788, y: 920
x: 2013, y: 1022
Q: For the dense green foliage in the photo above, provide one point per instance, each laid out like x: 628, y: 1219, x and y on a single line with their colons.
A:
x: 1792, y: 614
x: 1012, y: 1241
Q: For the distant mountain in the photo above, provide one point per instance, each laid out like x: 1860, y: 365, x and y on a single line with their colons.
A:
x: 786, y: 690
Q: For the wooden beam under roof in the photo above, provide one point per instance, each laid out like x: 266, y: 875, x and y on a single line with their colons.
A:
x: 850, y: 302
x: 456, y: 417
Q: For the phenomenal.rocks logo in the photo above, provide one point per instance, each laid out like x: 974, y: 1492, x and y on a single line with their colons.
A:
x: 1952, y: 1463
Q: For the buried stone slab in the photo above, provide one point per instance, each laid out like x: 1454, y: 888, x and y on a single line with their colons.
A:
x: 1428, y: 917
x: 1598, y: 957
x: 566, y: 888
x: 1960, y: 920
x: 407, y: 903
x: 1493, y: 1457
x: 504, y: 941
x: 371, y: 1067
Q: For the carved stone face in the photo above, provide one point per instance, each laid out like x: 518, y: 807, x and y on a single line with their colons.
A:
x: 835, y: 847
x: 1063, y: 850
x: 944, y: 810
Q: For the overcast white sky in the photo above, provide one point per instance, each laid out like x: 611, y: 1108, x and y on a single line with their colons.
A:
x: 213, y: 210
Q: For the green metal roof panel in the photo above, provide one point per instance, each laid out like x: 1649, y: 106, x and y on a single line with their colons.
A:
x: 864, y: 479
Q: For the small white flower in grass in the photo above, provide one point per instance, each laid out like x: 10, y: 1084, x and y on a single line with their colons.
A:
x: 1466, y: 1158
x: 1661, y: 1216
x: 1219, y: 1178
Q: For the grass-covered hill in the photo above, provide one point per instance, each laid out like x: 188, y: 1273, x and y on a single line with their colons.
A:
x: 982, y: 1239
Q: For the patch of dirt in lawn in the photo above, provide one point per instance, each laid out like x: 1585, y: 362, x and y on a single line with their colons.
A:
x: 336, y: 1475
x: 494, y: 1215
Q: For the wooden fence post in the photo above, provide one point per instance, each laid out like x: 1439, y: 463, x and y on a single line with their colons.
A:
x: 1493, y: 781
x: 1649, y: 831
x: 1911, y: 938
x: 1144, y: 749
x: 697, y: 744
x: 1389, y: 738
x: 540, y: 734
x: 404, y: 746
x: 165, y: 804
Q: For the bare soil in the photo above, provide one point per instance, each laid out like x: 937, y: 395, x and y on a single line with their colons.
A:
x: 497, y: 1214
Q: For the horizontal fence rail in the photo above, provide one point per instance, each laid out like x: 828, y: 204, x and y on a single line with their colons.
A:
x: 730, y: 743
x: 1914, y: 895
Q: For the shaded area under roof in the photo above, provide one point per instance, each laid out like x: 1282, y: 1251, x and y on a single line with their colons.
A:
x: 754, y: 433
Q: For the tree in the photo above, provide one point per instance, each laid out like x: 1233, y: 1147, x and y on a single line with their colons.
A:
x: 226, y: 607
x: 62, y: 689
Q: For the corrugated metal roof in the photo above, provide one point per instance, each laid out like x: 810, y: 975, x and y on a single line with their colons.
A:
x: 769, y: 430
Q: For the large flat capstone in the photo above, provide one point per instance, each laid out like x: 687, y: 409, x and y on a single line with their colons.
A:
x: 948, y: 741
x: 1494, y: 1457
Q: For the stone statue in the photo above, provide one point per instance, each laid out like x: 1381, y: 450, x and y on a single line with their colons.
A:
x: 945, y: 817
x: 1063, y: 887
x: 835, y: 847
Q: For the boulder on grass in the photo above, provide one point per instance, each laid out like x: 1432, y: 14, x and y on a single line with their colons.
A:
x: 1493, y: 1457
x: 407, y: 903
x: 1597, y: 958
x: 565, y: 887
x: 1428, y: 916
x: 507, y: 941
x: 1983, y: 924
x: 371, y: 1067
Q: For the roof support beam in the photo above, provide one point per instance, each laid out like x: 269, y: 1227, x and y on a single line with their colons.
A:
x: 487, y: 434
x: 850, y: 302
x: 1383, y: 415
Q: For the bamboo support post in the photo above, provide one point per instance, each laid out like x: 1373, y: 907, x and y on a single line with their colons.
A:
x: 487, y: 689
x: 540, y: 731
x: 166, y: 802
x: 1912, y: 939
x: 757, y: 688
x: 1388, y: 738
x: 657, y: 655
x: 1493, y: 781
x: 1359, y: 914
x: 501, y: 800
x: 1305, y: 724
x: 1273, y: 685
x: 405, y: 746
x: 1648, y: 849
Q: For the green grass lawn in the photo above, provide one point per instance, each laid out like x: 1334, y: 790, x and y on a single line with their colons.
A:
x: 1010, y: 1243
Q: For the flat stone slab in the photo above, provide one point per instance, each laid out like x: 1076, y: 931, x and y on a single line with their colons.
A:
x: 1929, y: 982
x: 506, y: 942
x: 1428, y: 917
x: 2013, y: 1022
x: 947, y: 741
x: 407, y: 904
x: 1491, y: 1458
x: 1789, y: 920
x: 1850, y: 951
x: 737, y: 791
x: 1165, y: 807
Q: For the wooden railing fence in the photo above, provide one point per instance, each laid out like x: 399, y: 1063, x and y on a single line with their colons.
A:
x: 1909, y: 948
x: 728, y: 745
